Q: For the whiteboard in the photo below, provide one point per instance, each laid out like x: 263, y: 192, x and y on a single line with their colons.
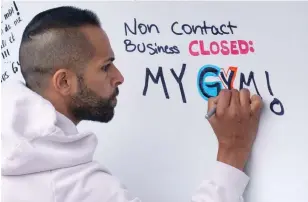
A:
x: 159, y: 143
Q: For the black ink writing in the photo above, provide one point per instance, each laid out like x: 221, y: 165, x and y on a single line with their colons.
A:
x: 9, y: 13
x: 229, y: 81
x: 7, y: 27
x: 4, y: 76
x: 275, y: 102
x: 16, y: 8
x: 247, y: 83
x: 11, y: 38
x: 142, y: 28
x: 204, y: 29
x: 159, y: 76
x: 3, y: 44
x: 205, y: 88
x: 15, y: 67
x: 5, y: 53
x: 18, y: 20
x: 268, y: 84
x: 179, y: 80
x: 150, y: 48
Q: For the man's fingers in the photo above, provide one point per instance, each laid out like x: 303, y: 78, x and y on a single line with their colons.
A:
x: 223, y: 102
x: 256, y: 104
x: 245, y: 97
x: 212, y: 102
x: 235, y: 98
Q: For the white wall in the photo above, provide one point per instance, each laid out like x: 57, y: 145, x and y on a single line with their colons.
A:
x: 162, y: 148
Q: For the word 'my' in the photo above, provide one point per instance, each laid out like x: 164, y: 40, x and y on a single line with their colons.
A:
x: 208, y: 89
x: 160, y: 77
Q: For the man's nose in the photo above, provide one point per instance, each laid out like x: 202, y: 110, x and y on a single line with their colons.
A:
x: 118, y: 77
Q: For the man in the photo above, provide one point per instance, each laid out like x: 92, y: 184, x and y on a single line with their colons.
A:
x: 67, y: 63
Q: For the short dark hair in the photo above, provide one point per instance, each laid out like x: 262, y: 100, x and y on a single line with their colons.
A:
x: 52, y: 39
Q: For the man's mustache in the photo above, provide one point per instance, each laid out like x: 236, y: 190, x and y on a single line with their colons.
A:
x: 116, y: 93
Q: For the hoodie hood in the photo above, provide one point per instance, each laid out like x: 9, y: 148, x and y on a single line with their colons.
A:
x: 35, y: 137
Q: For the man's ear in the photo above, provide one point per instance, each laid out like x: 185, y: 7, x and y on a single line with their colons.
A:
x: 64, y: 81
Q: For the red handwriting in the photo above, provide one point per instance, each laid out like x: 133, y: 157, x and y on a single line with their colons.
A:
x: 224, y: 47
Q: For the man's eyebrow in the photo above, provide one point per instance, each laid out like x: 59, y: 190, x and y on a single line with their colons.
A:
x: 111, y: 59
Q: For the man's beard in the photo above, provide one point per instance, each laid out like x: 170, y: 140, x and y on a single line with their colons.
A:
x: 87, y: 105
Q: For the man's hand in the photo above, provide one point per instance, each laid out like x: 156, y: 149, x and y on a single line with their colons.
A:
x: 235, y: 124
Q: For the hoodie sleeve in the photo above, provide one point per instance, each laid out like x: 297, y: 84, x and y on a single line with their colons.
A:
x: 227, y: 184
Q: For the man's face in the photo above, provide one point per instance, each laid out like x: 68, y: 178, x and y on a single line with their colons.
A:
x: 97, y: 87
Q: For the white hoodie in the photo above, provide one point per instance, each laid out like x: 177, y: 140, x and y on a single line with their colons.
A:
x: 45, y: 159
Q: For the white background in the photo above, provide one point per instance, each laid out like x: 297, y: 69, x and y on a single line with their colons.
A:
x: 162, y: 149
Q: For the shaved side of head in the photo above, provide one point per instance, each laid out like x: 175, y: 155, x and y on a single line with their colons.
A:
x: 54, y: 40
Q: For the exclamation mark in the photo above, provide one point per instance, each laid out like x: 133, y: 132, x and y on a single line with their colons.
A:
x: 16, y: 7
x: 275, y: 101
x: 268, y: 84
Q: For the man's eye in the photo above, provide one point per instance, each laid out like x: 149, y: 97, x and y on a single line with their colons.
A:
x: 106, y: 67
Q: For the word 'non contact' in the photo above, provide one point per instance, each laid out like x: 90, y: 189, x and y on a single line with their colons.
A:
x: 177, y: 28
